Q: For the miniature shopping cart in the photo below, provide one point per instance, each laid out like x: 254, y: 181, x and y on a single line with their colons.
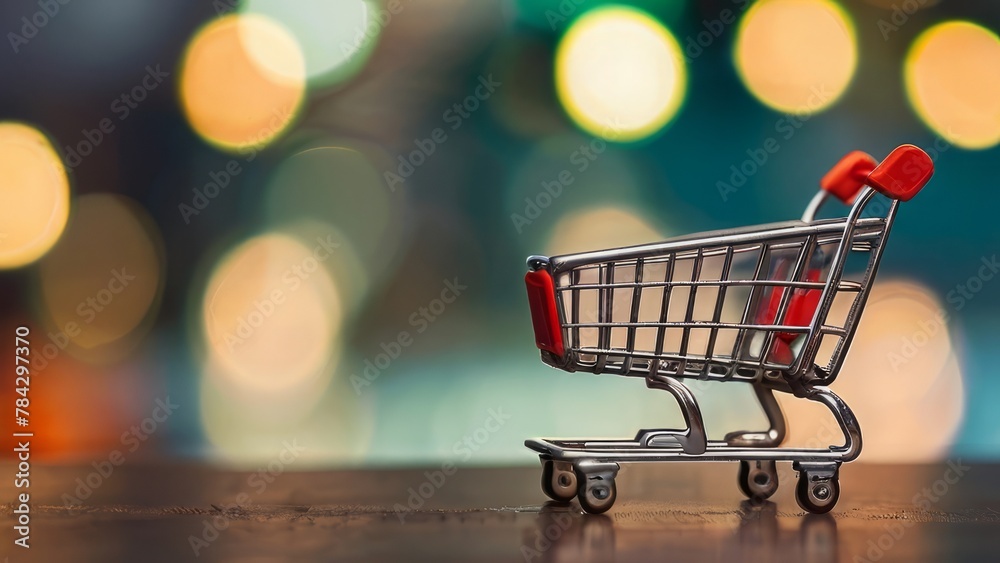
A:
x: 775, y: 306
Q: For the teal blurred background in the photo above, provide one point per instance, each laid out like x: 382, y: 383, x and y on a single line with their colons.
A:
x: 308, y: 221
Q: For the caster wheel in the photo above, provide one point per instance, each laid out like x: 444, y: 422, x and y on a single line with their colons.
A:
x: 596, y: 495
x: 815, y: 495
x: 558, y: 483
x: 758, y: 480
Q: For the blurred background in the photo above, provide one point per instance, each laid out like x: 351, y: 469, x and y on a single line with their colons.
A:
x: 237, y: 225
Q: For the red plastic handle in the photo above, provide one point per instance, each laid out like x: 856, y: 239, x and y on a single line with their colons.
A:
x: 903, y: 173
x: 848, y: 176
x: 544, y: 312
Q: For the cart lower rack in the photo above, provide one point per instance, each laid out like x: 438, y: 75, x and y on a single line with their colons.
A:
x: 751, y: 305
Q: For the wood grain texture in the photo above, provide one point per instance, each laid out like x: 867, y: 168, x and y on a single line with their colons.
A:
x: 676, y: 512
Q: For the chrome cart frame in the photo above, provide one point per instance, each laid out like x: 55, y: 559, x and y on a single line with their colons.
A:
x: 751, y: 304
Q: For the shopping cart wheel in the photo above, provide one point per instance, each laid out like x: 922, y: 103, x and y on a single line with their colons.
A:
x: 818, y: 490
x: 597, y: 495
x: 758, y: 480
x: 558, y: 480
x: 596, y: 489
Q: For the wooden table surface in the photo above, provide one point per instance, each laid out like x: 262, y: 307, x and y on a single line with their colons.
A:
x: 675, y: 512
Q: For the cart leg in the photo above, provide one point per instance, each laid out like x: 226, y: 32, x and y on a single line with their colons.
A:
x: 692, y: 439
x: 818, y: 488
x: 845, y: 418
x: 773, y: 437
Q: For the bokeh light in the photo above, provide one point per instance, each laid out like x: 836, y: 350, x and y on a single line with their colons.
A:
x: 338, y: 183
x: 34, y: 195
x: 336, y: 37
x: 103, y: 43
x: 271, y: 314
x: 79, y: 411
x: 895, y: 5
x: 526, y: 105
x: 242, y: 428
x: 348, y: 272
x: 796, y: 55
x: 902, y: 378
x: 952, y: 78
x: 564, y: 173
x: 237, y: 97
x: 271, y: 320
x: 102, y: 282
x: 553, y: 15
x: 601, y: 227
x: 620, y: 74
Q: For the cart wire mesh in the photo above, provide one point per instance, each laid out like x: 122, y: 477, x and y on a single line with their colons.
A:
x: 736, y: 305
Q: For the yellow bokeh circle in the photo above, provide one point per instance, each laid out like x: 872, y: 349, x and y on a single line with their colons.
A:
x: 796, y: 56
x: 101, y: 283
x: 952, y: 76
x: 271, y: 313
x: 34, y: 195
x: 620, y: 74
x: 234, y: 95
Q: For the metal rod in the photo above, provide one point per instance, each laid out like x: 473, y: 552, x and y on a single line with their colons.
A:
x: 764, y: 258
x: 719, y: 300
x: 689, y: 315
x: 606, y: 297
x: 665, y: 303
x: 634, y: 315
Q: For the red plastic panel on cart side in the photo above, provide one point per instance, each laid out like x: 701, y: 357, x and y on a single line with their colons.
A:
x: 544, y: 313
x: 902, y: 173
x: 801, y: 307
x: 848, y: 176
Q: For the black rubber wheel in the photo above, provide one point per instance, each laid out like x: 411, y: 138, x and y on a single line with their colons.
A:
x: 559, y: 486
x: 596, y: 496
x: 817, y: 497
x: 757, y: 480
